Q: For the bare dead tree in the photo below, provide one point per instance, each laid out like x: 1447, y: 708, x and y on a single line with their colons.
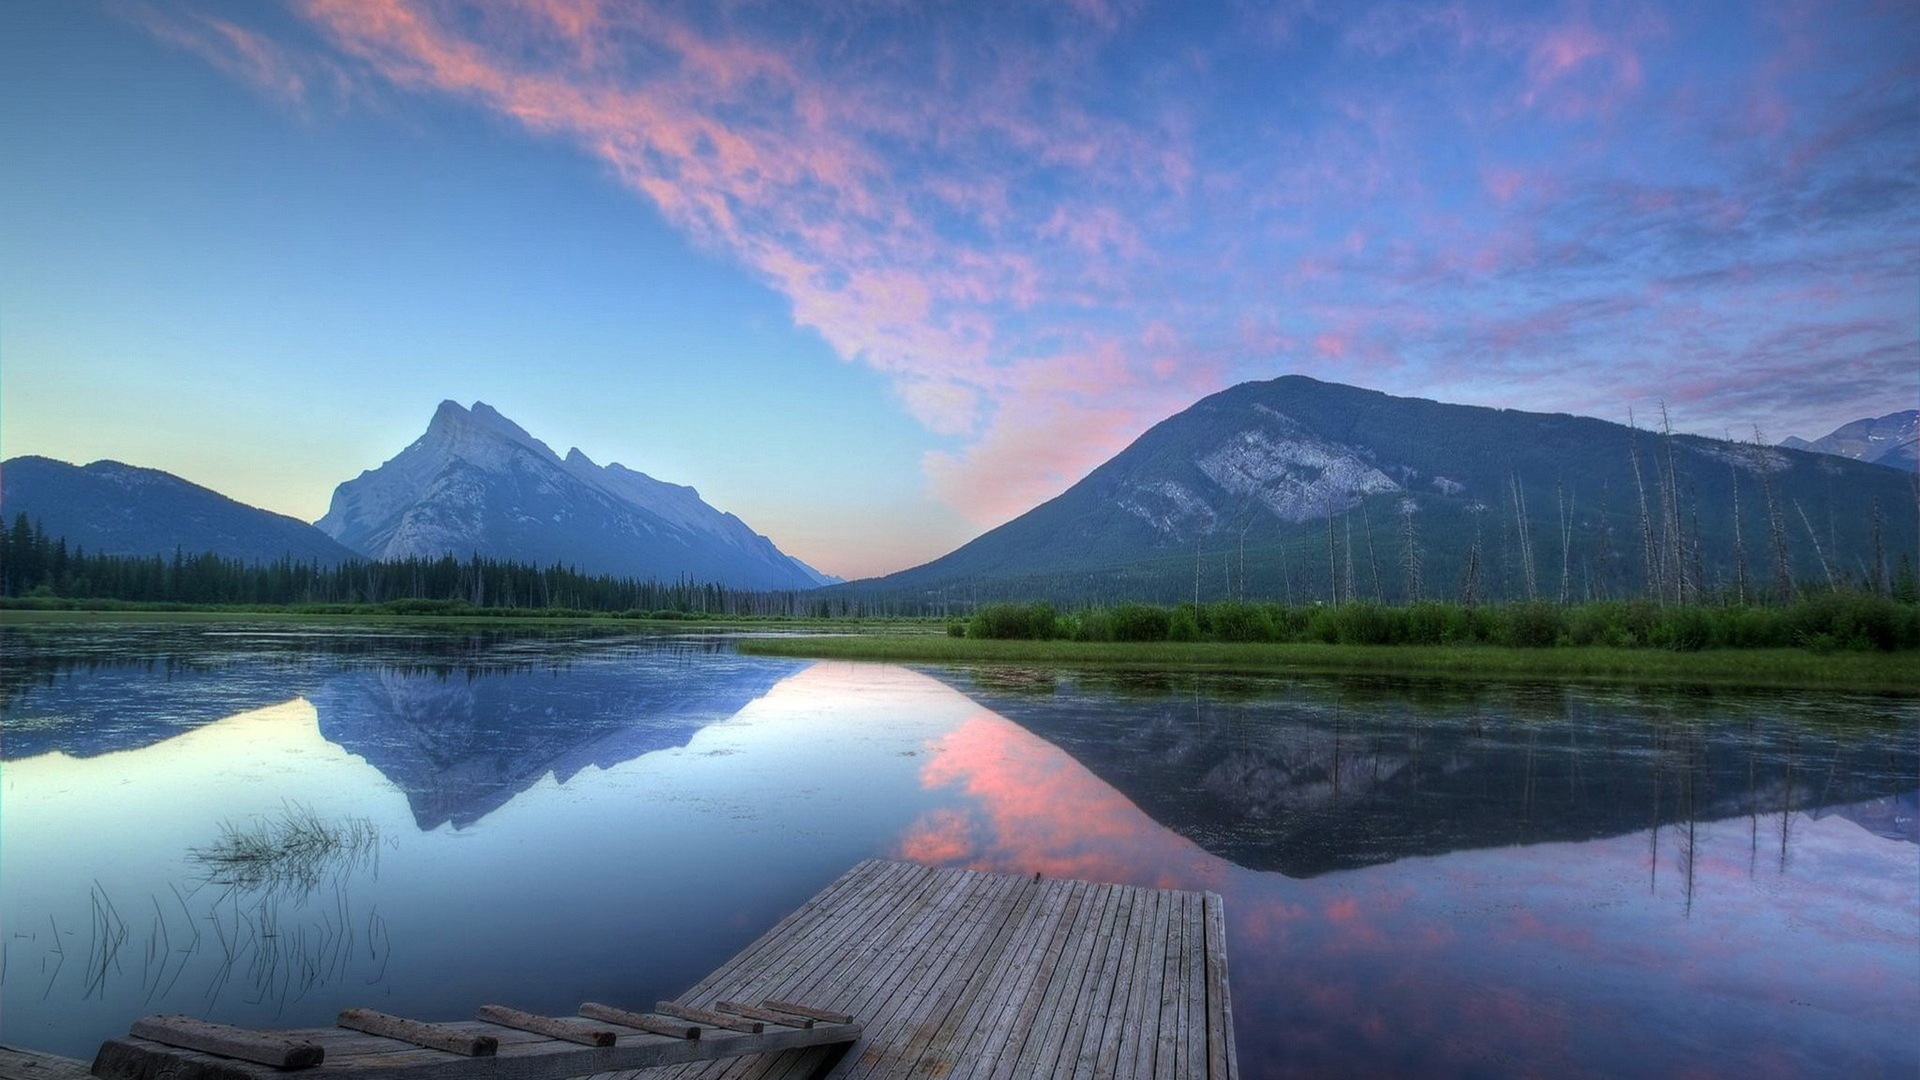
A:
x: 1739, y: 544
x: 1566, y: 541
x: 1648, y: 559
x: 1373, y: 557
x: 1672, y: 536
x: 1333, y: 558
x: 1776, y: 525
x: 1818, y: 552
x: 1524, y: 536
x: 1346, y: 522
x: 1409, y: 550
x: 1470, y: 571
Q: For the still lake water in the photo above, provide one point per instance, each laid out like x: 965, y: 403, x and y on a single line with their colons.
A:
x: 1421, y: 878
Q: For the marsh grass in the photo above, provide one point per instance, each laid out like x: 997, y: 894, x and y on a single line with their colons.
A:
x: 292, y: 852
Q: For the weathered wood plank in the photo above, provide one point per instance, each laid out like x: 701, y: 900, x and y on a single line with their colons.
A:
x: 929, y: 1049
x: 1166, y: 1031
x: 1043, y: 1048
x: 1095, y: 1009
x: 766, y: 1016
x: 962, y: 1035
x: 264, y: 1047
x: 431, y: 1036
x: 825, y: 1016
x: 19, y: 1064
x: 1022, y: 966
x: 902, y: 980
x: 648, y: 1022
x: 1136, y: 1058
x: 1223, y: 1059
x: 553, y: 1027
x: 542, y: 1059
x: 709, y: 1017
x: 1193, y: 998
x: 1022, y: 1043
x: 1082, y: 1008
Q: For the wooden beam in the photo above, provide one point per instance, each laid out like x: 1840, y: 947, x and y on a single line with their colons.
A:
x: 647, y: 1022
x: 823, y: 1015
x: 419, y: 1033
x: 551, y: 1027
x: 755, y: 1012
x: 709, y: 1017
x: 261, y: 1047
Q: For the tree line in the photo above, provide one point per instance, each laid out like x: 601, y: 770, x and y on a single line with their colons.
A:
x: 34, y: 565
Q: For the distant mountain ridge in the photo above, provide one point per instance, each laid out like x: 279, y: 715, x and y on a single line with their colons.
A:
x: 110, y: 508
x: 1892, y: 440
x: 1305, y: 490
x: 476, y: 482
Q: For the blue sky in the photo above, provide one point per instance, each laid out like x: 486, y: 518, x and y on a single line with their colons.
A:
x: 876, y: 276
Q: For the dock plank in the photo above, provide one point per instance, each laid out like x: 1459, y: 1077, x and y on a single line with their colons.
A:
x: 949, y: 973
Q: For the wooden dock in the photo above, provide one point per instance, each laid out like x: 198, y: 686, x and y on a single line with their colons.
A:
x: 904, y: 972
x: 976, y: 976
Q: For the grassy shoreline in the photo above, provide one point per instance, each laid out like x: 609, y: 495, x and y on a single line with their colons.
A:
x: 921, y: 641
x: 1771, y: 668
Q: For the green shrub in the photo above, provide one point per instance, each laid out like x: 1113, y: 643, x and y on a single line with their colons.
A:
x: 1236, y: 621
x: 1035, y: 622
x: 1140, y: 622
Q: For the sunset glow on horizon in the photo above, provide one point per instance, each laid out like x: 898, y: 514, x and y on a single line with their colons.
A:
x: 877, y: 277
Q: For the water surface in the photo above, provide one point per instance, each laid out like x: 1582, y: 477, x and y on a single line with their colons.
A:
x: 1420, y: 878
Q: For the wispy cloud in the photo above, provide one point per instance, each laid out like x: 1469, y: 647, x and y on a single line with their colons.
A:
x: 1051, y: 227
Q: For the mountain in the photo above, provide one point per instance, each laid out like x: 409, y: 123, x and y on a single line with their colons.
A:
x: 1296, y: 489
x: 476, y: 482
x: 1892, y: 440
x: 109, y: 508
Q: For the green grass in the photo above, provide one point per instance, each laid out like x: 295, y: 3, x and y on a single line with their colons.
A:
x: 1730, y: 667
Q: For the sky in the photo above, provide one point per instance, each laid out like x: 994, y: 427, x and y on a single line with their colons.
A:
x: 877, y: 276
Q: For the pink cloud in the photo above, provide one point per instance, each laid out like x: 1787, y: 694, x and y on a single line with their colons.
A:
x: 242, y: 54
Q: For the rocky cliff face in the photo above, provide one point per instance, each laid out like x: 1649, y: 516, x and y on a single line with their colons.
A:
x: 477, y: 483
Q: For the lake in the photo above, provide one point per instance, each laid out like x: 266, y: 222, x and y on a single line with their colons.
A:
x: 264, y: 824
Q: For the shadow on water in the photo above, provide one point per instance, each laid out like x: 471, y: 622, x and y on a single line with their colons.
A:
x: 1307, y: 777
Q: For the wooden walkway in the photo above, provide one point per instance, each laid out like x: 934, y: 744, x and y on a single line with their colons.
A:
x: 911, y: 973
x: 991, y: 977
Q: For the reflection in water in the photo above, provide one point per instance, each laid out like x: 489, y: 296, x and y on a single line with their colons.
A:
x: 463, y: 745
x: 1307, y: 778
x: 1727, y: 933
x: 265, y: 917
x: 1419, y: 880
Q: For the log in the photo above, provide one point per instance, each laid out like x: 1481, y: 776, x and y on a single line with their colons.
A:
x: 551, y: 1027
x: 709, y: 1017
x: 260, y: 1047
x: 419, y: 1033
x: 755, y: 1012
x: 823, y: 1015
x: 643, y: 1021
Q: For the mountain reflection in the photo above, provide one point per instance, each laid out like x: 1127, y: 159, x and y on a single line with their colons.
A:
x: 1305, y: 778
x: 460, y: 722
x: 463, y: 744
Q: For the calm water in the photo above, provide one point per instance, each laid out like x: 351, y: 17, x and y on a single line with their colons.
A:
x: 1420, y: 879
